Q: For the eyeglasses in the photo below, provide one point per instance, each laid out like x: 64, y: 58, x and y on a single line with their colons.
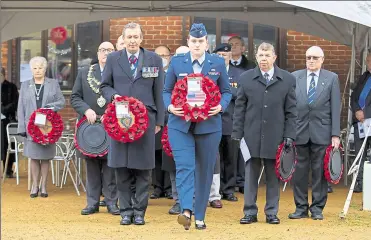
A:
x: 105, y: 50
x: 313, y: 57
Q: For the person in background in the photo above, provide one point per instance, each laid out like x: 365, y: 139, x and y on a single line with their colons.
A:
x: 120, y: 44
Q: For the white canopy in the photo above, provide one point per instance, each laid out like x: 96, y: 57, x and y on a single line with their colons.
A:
x: 327, y: 19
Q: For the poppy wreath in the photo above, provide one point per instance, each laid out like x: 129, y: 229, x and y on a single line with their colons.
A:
x: 326, y: 163
x: 137, y: 128
x: 79, y: 148
x: 165, y: 142
x: 46, y: 138
x: 278, y: 163
x: 196, y: 113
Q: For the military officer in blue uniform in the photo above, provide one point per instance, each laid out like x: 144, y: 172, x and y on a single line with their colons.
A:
x: 227, y: 148
x: 195, y: 145
x: 134, y: 72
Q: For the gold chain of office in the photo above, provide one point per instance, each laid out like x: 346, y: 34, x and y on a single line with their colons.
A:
x: 92, y: 81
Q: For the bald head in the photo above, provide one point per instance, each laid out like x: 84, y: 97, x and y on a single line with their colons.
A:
x: 104, y: 49
x: 182, y: 50
x: 120, y: 43
x: 314, y: 57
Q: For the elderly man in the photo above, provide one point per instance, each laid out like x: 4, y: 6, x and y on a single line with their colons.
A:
x: 195, y: 145
x: 361, y: 107
x: 86, y: 100
x: 135, y: 72
x: 120, y: 44
x: 318, y: 125
x: 265, y: 116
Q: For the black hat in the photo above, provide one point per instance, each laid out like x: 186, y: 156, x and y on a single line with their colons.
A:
x: 224, y: 47
x: 198, y: 30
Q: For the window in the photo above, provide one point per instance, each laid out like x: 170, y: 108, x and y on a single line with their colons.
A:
x: 30, y: 46
x: 89, y: 37
x: 60, y: 57
x: 210, y: 25
x: 232, y: 28
x: 263, y: 33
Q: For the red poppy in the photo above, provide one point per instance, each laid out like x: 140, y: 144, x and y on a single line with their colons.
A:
x: 136, y: 130
x: 165, y: 142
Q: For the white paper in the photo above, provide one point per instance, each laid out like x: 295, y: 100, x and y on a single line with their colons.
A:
x: 366, y: 127
x: 245, y: 150
x: 40, y: 119
x: 194, y: 84
x: 361, y: 131
x: 2, y: 116
x: 122, y: 109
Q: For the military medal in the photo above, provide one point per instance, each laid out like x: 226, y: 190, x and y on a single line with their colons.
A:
x: 94, y: 85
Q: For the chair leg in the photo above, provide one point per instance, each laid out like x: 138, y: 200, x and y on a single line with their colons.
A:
x: 6, y: 165
x: 52, y: 169
x: 29, y: 174
x: 17, y: 166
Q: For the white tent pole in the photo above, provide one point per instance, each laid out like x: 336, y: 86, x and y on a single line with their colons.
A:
x: 365, y: 52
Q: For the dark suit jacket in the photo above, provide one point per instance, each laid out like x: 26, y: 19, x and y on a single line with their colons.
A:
x: 355, y: 97
x: 245, y: 64
x: 9, y: 100
x: 117, y: 79
x: 265, y: 114
x: 227, y: 117
x: 320, y: 120
x: 83, y: 97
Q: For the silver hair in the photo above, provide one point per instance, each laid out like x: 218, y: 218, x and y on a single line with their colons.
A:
x: 38, y: 60
x: 267, y: 47
x: 132, y: 25
x: 316, y: 48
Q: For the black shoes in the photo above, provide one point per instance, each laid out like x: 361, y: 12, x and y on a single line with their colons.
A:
x: 128, y: 220
x: 358, y: 188
x: 90, y: 210
x: 298, y: 215
x: 175, y: 209
x: 200, y: 226
x: 113, y: 209
x: 317, y: 216
x: 138, y: 220
x: 248, y: 219
x: 272, y: 219
x: 230, y: 197
x: 329, y: 189
x: 33, y: 195
x: 102, y: 203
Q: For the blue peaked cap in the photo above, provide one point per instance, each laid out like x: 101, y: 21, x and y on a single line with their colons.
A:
x: 198, y: 30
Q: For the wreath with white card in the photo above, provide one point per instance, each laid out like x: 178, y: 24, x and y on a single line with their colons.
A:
x: 125, y: 119
x: 196, y: 94
x: 45, y: 126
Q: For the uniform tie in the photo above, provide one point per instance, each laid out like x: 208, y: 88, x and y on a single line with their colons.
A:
x: 312, y: 89
x: 133, y: 60
x: 196, y: 62
x: 235, y: 63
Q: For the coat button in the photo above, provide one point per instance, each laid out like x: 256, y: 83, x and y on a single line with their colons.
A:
x: 266, y: 91
x: 265, y: 106
x: 262, y: 136
x: 264, y: 121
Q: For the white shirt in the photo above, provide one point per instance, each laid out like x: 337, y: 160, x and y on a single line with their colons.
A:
x: 270, y: 73
x: 227, y: 68
x: 101, y: 70
x: 137, y: 56
x: 309, y: 78
x: 197, y: 68
x: 238, y: 61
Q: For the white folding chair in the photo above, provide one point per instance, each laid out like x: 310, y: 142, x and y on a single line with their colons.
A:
x: 13, y: 137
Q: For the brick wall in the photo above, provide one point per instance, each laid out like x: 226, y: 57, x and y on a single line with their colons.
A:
x: 337, y: 59
x: 4, y: 54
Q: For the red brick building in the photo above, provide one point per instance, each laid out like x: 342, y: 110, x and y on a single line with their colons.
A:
x: 83, y: 39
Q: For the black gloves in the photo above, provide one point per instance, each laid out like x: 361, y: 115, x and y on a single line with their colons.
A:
x: 288, y: 143
x: 22, y: 134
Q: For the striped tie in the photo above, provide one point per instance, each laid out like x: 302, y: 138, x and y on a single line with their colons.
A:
x: 312, y: 89
x: 266, y: 76
x: 133, y: 64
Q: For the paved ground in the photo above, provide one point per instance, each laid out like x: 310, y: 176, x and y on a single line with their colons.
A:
x: 58, y: 217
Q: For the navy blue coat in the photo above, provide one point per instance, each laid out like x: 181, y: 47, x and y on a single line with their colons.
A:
x: 117, y: 79
x: 227, y: 117
x: 181, y: 66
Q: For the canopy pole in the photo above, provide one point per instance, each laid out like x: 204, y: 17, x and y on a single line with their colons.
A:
x: 349, y: 120
x: 365, y: 52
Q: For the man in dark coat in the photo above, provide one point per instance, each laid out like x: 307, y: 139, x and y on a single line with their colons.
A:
x: 240, y: 61
x: 87, y: 101
x: 135, y: 72
x: 318, y: 126
x: 9, y: 103
x: 360, y: 103
x: 265, y: 116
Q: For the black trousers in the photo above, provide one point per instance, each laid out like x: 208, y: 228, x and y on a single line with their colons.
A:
x: 310, y: 155
x: 160, y: 178
x: 228, y: 163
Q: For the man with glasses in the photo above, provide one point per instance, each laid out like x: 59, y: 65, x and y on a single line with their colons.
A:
x: 135, y: 72
x: 265, y: 116
x: 318, y: 126
x: 87, y: 101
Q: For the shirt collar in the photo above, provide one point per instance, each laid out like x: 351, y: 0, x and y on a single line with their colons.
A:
x: 227, y: 68
x: 270, y: 72
x: 101, y: 68
x: 135, y: 54
x: 238, y: 60
x: 200, y: 59
x: 316, y: 72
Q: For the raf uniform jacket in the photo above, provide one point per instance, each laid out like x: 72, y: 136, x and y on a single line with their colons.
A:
x: 320, y: 120
x: 117, y: 79
x: 83, y: 97
x: 265, y: 113
x: 227, y: 117
x: 214, y: 68
x: 355, y: 97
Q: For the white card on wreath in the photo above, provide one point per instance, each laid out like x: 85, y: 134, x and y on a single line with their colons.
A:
x: 122, y: 109
x: 40, y: 119
x: 195, y: 95
x: 194, y: 84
